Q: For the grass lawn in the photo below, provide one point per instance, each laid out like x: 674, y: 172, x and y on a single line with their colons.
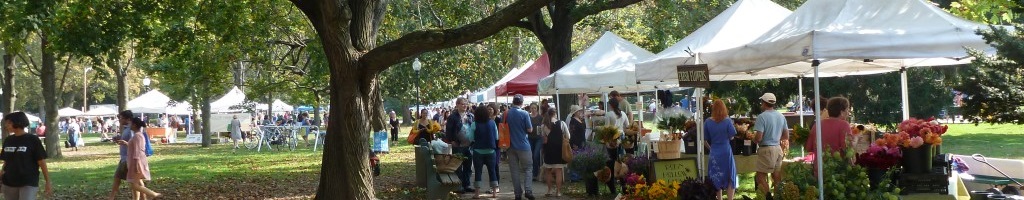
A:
x: 187, y: 171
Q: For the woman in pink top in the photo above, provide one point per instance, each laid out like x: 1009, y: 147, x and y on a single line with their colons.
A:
x: 834, y: 129
x: 138, y: 165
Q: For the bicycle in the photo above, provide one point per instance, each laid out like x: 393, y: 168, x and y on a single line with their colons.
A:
x: 253, y: 138
x: 280, y: 135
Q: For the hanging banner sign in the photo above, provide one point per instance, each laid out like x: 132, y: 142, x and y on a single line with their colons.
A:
x: 693, y: 76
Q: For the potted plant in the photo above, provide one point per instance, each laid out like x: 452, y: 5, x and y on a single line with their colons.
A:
x: 655, y: 190
x: 697, y: 189
x: 919, y: 140
x: 743, y: 143
x: 585, y: 161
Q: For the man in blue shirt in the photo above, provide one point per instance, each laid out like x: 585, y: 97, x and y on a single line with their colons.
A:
x: 124, y: 118
x: 772, y: 135
x: 520, y: 157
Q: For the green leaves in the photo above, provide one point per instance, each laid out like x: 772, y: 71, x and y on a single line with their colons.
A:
x: 994, y: 86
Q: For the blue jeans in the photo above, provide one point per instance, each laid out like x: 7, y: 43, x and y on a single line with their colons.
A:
x: 465, y: 171
x: 520, y: 163
x: 536, y: 145
x: 479, y: 160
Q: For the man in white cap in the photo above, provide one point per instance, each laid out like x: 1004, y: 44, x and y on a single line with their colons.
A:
x: 772, y: 135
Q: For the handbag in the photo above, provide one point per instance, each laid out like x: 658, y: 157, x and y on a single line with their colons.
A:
x: 504, y: 140
x: 566, y: 150
x: 413, y: 135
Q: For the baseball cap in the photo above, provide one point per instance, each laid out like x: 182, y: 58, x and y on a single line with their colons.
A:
x: 768, y: 97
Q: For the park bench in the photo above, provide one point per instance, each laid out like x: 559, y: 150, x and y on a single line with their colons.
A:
x: 438, y: 184
x: 981, y: 176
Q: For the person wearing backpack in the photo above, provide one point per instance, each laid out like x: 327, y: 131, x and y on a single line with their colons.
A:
x: 138, y: 165
x: 457, y: 135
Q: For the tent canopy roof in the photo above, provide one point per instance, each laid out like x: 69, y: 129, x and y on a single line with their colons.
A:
x: 606, y: 65
x: 857, y: 30
x: 69, y: 112
x: 740, y: 24
x: 151, y: 102
x: 526, y: 82
x: 489, y: 93
x: 234, y: 97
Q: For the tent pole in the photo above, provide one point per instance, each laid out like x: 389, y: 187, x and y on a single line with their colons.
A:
x: 905, y: 95
x: 557, y: 103
x: 700, y: 132
x: 817, y: 127
x: 800, y: 99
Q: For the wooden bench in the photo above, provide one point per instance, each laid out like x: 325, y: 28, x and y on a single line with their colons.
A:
x: 981, y: 177
x: 438, y: 185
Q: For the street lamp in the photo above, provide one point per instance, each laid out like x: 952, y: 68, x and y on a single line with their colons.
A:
x: 416, y: 66
x: 85, y: 89
x: 145, y: 82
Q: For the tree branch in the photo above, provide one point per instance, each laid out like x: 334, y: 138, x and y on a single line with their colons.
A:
x: 582, y: 11
x: 417, y: 42
x: 540, y: 29
x: 32, y: 68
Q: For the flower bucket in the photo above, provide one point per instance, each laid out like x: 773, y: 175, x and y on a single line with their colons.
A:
x: 917, y: 160
x: 447, y: 163
x: 668, y: 149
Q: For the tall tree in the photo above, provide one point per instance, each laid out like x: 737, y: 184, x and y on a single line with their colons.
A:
x: 994, y: 87
x: 348, y: 31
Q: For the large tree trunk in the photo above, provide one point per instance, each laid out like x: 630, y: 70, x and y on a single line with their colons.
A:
x: 316, y: 108
x: 121, y: 72
x: 406, y: 115
x: 49, y: 80
x: 345, y: 172
x: 9, y: 96
x: 206, y: 118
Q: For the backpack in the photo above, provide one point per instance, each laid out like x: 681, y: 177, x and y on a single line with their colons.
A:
x: 149, y: 149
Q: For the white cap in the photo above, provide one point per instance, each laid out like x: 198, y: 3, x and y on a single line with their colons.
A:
x: 768, y: 97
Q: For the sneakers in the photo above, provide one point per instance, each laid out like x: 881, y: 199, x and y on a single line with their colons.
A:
x: 530, y: 196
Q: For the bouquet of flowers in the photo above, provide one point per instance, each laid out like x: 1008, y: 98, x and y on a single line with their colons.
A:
x: 607, y: 134
x: 743, y: 131
x: 880, y: 157
x: 673, y: 124
x: 800, y: 135
x: 929, y: 131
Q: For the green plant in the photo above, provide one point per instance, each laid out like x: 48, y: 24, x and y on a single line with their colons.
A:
x: 589, y: 158
x: 843, y: 180
x: 673, y: 124
x: 800, y: 135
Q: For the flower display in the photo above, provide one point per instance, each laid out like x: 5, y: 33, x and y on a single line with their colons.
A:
x: 880, y: 157
x: 916, y: 142
x: 918, y: 127
x: 660, y: 189
x: 607, y: 133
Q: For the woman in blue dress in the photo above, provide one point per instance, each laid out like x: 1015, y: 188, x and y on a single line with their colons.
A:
x: 719, y: 130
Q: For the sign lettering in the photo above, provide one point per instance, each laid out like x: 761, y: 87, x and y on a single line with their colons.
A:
x: 674, y: 169
x: 693, y: 75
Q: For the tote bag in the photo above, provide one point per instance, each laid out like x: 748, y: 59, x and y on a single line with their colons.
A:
x: 504, y: 141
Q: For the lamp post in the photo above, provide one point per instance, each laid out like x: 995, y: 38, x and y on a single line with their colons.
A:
x: 146, y: 82
x: 85, y: 89
x: 416, y: 66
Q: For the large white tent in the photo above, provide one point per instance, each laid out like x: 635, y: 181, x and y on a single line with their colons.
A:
x: 488, y: 94
x: 605, y: 66
x: 871, y: 30
x: 234, y: 97
x: 179, y: 108
x: 885, y: 33
x: 101, y: 111
x: 69, y: 112
x: 150, y: 102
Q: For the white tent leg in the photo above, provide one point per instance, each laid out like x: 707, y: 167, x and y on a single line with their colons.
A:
x: 800, y: 99
x: 557, y: 103
x: 906, y: 96
x: 817, y: 127
x: 700, y: 132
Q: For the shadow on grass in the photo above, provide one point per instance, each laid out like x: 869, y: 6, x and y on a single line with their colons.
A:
x: 989, y: 144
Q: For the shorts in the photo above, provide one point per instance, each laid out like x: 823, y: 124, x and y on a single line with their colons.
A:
x: 122, y: 170
x: 769, y: 159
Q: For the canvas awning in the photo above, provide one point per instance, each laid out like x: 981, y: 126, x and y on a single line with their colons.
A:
x: 150, y: 102
x: 605, y: 66
x: 526, y: 82
x: 229, y: 102
x: 69, y: 112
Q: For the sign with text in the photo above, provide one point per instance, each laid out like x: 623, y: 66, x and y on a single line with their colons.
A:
x: 674, y: 169
x: 693, y: 75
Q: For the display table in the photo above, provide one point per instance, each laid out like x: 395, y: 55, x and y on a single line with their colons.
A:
x: 160, y: 132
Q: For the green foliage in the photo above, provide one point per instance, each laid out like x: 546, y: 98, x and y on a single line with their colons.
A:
x: 843, y: 180
x: 674, y: 124
x: 994, y: 88
x: 987, y: 11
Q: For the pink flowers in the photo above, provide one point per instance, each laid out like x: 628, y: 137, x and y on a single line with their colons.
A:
x: 917, y: 127
x: 880, y: 157
x: 916, y: 142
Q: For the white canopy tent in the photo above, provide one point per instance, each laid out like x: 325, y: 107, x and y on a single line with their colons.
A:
x: 488, y: 94
x: 605, y: 66
x: 278, y: 106
x: 150, y: 102
x: 886, y: 33
x: 234, y: 97
x: 179, y: 108
x: 32, y: 118
x: 69, y: 112
x: 101, y: 111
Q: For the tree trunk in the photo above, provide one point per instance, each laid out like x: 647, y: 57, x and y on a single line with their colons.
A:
x: 49, y: 80
x: 121, y: 72
x: 406, y: 115
x: 206, y: 118
x: 378, y: 118
x: 316, y: 108
x: 9, y: 96
x: 345, y: 172
x: 270, y: 105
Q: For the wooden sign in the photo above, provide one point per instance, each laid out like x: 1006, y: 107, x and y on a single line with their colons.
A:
x: 693, y: 75
x: 674, y: 169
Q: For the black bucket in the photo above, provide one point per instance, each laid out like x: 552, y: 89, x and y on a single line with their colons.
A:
x: 980, y: 195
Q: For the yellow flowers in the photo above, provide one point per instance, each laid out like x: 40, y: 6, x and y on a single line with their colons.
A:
x: 658, y: 190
